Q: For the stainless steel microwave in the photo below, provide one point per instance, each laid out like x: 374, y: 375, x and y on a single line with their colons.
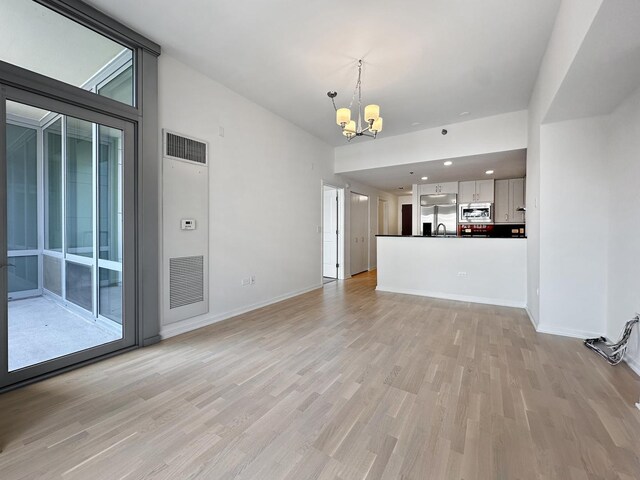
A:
x: 475, y: 213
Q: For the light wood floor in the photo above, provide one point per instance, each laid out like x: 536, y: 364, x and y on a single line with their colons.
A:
x: 340, y: 383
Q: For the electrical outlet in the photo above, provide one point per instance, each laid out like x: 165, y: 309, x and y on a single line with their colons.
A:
x: 245, y: 282
x: 253, y: 279
x: 221, y: 131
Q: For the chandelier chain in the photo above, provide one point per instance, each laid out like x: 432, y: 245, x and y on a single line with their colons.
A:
x: 352, y: 128
x: 358, y: 90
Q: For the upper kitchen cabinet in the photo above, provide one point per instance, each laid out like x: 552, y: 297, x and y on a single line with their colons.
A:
x: 509, y: 197
x: 475, y: 191
x: 433, y: 188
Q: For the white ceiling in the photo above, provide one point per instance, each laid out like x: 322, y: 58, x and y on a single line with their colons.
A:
x: 426, y: 61
x: 511, y: 164
x: 26, y: 111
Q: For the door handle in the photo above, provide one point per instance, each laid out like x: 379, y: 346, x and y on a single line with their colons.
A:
x: 4, y: 265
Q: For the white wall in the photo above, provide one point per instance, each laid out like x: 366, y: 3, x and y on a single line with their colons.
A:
x: 573, y: 227
x: 624, y: 204
x: 572, y: 24
x: 497, y: 133
x: 266, y: 179
x: 265, y: 193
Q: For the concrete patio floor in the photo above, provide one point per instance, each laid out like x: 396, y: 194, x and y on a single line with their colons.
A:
x: 41, y: 329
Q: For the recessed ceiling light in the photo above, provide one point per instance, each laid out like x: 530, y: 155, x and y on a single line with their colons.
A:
x: 489, y: 172
x: 448, y: 163
x: 464, y: 114
x: 424, y: 178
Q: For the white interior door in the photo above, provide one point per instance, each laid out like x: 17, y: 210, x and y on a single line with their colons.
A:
x: 359, y: 233
x: 364, y: 233
x: 329, y: 235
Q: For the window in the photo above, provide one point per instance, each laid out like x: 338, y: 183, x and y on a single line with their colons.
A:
x: 41, y: 40
x: 110, y: 191
x: 23, y: 274
x: 53, y: 186
x: 22, y: 187
x: 120, y: 87
x: 79, y: 181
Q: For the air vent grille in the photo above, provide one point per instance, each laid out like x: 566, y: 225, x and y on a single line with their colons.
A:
x: 186, y: 281
x: 186, y: 148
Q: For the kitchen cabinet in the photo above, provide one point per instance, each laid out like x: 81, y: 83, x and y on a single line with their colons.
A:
x: 484, y: 191
x: 434, y: 188
x: 501, y: 207
x: 509, y: 196
x: 516, y: 195
x: 475, y: 191
x: 359, y: 223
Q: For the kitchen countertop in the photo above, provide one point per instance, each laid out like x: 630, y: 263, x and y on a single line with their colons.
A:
x: 449, y: 236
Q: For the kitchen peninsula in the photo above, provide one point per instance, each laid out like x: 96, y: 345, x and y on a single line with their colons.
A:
x: 468, y: 244
x: 479, y: 270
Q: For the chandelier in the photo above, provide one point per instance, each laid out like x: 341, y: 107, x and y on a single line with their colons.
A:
x: 351, y: 129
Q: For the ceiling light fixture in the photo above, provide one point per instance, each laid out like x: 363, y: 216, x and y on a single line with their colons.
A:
x: 448, y: 163
x: 424, y: 178
x: 489, y: 172
x: 350, y: 128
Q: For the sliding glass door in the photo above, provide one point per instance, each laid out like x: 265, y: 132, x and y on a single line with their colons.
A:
x: 66, y: 249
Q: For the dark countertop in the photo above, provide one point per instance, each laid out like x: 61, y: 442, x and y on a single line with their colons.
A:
x: 450, y: 236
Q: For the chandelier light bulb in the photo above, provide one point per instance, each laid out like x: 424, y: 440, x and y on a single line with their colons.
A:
x: 377, y: 125
x: 349, y: 129
x: 371, y: 113
x: 343, y: 116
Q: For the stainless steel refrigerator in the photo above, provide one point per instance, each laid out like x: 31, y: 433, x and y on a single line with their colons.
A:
x: 436, y: 210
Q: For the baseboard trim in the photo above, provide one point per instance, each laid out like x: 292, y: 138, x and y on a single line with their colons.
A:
x: 633, y: 364
x: 567, y: 332
x: 151, y: 340
x: 184, y: 326
x: 458, y: 298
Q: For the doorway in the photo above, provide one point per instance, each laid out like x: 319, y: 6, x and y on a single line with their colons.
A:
x: 359, y: 229
x: 407, y: 219
x: 66, y: 193
x: 332, y: 237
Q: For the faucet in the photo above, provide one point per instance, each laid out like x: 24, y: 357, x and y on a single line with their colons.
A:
x: 438, y: 229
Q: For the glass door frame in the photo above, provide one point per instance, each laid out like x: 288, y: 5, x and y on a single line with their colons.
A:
x: 129, y: 256
x: 30, y: 252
